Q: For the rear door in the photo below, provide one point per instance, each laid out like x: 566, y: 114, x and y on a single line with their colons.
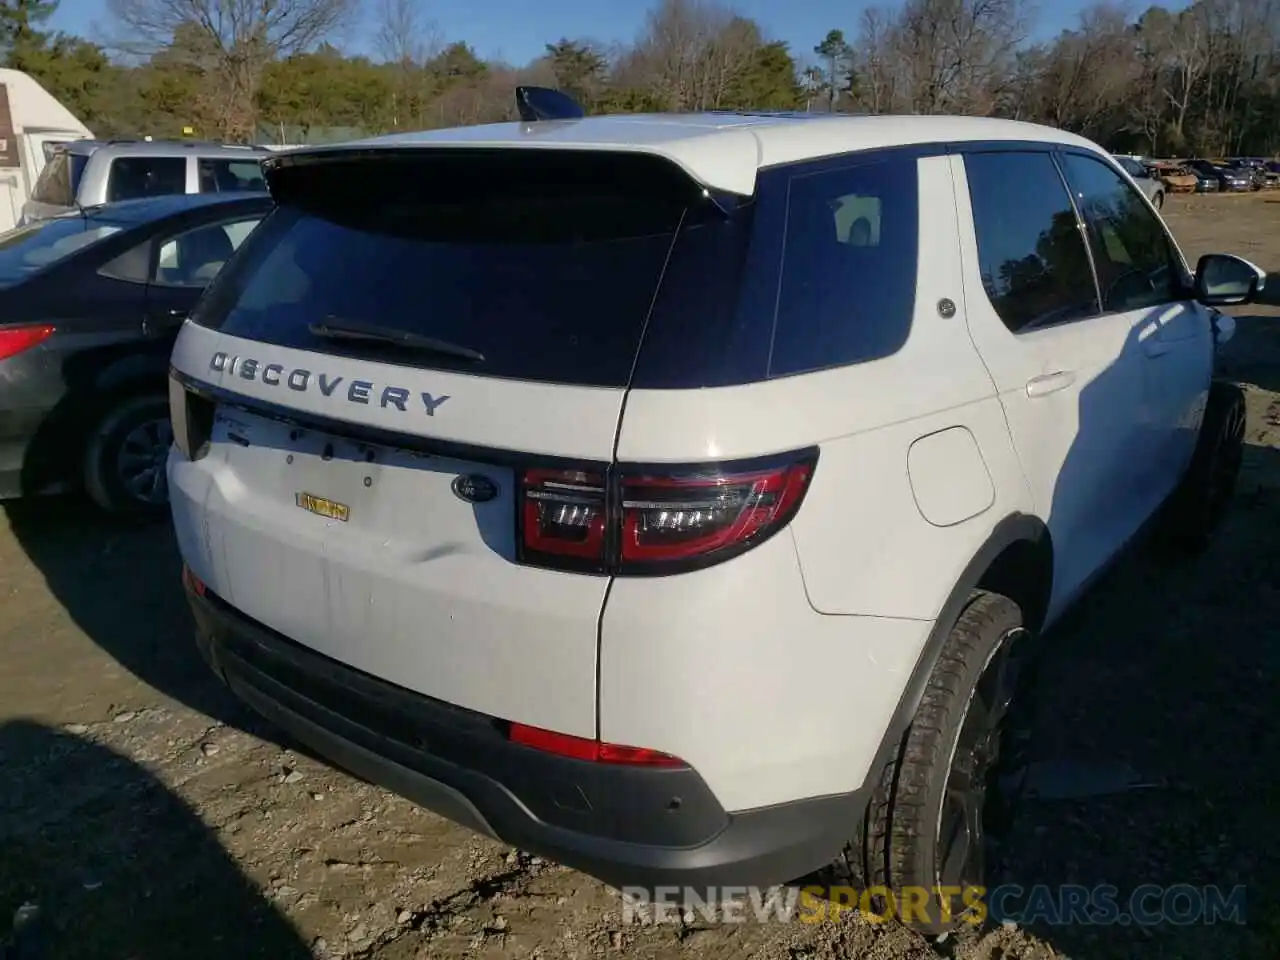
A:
x: 364, y: 498
x: 1070, y: 375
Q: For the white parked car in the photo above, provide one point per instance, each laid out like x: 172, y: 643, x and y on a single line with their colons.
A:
x: 674, y: 496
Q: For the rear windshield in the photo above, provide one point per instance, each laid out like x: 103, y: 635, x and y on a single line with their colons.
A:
x: 546, y: 269
x: 43, y: 243
x: 60, y: 179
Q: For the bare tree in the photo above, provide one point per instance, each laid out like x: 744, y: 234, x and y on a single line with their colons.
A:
x: 959, y: 53
x: 229, y: 41
x: 875, y: 56
x: 691, y: 53
x: 404, y: 34
x: 1087, y: 72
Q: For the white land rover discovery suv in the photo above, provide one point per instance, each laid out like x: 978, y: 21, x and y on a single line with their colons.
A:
x: 668, y: 495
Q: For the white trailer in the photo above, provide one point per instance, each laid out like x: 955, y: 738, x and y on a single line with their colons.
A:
x: 32, y: 123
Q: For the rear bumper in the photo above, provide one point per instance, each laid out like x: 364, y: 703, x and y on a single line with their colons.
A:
x: 18, y: 428
x: 628, y: 826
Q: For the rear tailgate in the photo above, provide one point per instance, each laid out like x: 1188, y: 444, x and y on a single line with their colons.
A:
x: 360, y: 497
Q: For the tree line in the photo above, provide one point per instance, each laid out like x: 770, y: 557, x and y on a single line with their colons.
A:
x: 1201, y: 80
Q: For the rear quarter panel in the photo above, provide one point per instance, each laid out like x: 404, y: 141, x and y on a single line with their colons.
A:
x: 748, y: 669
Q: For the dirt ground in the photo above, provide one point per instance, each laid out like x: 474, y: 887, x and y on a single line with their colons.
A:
x: 145, y: 814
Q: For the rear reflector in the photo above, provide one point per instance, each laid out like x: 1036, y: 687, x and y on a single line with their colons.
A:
x: 645, y: 521
x: 14, y: 340
x: 580, y: 748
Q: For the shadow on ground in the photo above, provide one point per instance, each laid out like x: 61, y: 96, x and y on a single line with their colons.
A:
x: 1158, y: 756
x: 120, y: 582
x: 148, y: 880
x: 1254, y: 356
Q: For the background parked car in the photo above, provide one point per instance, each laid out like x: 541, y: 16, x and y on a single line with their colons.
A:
x: 1142, y: 176
x: 1176, y: 178
x: 89, y: 307
x: 1256, y: 168
x: 1228, y: 178
x: 88, y: 172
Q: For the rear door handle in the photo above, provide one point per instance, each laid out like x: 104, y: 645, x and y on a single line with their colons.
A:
x: 1050, y: 383
x: 1155, y: 347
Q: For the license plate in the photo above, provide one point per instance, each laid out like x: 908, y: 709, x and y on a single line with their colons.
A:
x: 329, y: 509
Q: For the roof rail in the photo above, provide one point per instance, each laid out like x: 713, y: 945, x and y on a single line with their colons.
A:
x: 189, y: 144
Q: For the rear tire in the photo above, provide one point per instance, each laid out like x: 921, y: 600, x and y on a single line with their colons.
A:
x: 1197, y: 507
x: 928, y: 826
x: 124, y: 463
x: 1158, y: 200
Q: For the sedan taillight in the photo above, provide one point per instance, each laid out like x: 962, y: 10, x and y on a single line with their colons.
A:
x: 14, y: 340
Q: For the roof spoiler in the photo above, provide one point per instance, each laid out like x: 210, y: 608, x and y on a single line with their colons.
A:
x: 543, y: 103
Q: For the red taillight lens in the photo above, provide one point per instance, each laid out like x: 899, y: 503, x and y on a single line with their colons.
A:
x: 681, y: 518
x: 13, y: 340
x: 645, y: 521
x: 580, y: 748
x: 194, y: 583
x: 563, y: 514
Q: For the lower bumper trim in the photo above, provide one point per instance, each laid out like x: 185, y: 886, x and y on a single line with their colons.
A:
x: 754, y: 848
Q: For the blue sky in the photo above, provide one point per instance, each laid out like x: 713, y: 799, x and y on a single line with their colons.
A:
x: 515, y: 30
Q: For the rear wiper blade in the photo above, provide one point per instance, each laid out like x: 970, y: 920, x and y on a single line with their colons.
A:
x: 336, y: 328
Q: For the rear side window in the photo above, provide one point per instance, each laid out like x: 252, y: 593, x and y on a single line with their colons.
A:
x: 1034, y: 263
x: 193, y: 258
x: 545, y: 266
x: 134, y: 177
x: 222, y: 176
x: 1136, y: 263
x: 847, y: 290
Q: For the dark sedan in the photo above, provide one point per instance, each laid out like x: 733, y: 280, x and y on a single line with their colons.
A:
x: 90, y: 304
x: 1228, y: 178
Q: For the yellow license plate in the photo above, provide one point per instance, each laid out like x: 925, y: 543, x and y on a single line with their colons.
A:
x: 322, y: 507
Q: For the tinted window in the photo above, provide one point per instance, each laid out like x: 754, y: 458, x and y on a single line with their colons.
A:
x: 133, y: 177
x: 1135, y: 261
x: 194, y: 258
x: 222, y: 176
x: 54, y: 186
x: 848, y: 266
x: 27, y: 249
x: 1034, y: 263
x: 547, y: 267
x: 78, y: 162
x: 1133, y: 167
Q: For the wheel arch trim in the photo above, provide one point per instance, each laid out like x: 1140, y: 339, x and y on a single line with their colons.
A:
x: 1014, y: 529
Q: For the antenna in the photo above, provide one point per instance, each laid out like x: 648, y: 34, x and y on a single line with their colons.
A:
x: 543, y: 103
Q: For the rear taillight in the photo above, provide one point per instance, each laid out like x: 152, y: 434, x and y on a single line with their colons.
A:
x: 681, y: 518
x: 594, y: 751
x: 191, y: 416
x: 562, y: 515
x: 192, y: 582
x: 647, y: 521
x: 14, y: 340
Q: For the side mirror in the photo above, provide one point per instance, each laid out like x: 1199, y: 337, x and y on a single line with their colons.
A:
x: 1225, y: 280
